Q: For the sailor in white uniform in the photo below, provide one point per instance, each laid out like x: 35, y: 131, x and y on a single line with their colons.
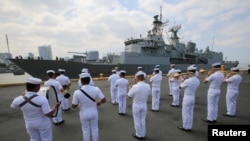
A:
x: 65, y: 82
x: 85, y: 70
x: 158, y: 66
x: 139, y: 93
x: 59, y: 89
x: 233, y: 80
x: 170, y: 73
x: 190, y: 86
x: 155, y: 81
x: 215, y: 79
x: 37, y: 112
x: 176, y: 81
x: 140, y: 69
x: 87, y: 103
x: 113, y: 90
x: 122, y: 89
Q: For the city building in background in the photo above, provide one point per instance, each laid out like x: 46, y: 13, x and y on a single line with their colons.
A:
x: 4, y: 58
x: 45, y: 52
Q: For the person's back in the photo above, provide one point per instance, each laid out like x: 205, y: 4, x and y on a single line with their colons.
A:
x: 64, y: 80
x: 156, y: 80
x: 112, y: 79
x: 215, y: 80
x: 122, y: 85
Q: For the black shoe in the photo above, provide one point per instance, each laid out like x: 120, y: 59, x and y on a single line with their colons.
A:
x: 174, y: 105
x: 120, y: 113
x: 155, y: 110
x: 61, y: 122
x: 181, y: 128
x: 208, y: 121
x: 228, y: 115
x: 139, y: 138
x: 170, y: 95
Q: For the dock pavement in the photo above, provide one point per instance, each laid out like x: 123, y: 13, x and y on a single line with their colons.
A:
x: 161, y: 126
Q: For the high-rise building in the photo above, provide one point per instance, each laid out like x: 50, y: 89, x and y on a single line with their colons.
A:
x: 4, y: 58
x: 45, y: 52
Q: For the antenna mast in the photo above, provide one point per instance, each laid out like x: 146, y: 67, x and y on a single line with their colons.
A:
x: 212, y: 43
x: 160, y: 13
x: 7, y: 44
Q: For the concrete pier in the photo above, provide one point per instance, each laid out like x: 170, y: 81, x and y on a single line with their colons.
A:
x: 161, y: 126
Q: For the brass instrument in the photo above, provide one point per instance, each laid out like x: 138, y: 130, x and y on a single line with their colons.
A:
x: 184, y: 75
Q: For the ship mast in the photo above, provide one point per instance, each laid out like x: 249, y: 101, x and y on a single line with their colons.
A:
x: 7, y: 44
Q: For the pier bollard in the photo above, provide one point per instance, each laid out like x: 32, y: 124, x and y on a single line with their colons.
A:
x: 101, y: 75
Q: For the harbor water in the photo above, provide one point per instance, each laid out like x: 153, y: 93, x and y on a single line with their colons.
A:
x: 9, y: 78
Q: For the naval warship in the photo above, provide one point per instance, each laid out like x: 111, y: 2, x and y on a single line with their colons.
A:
x: 143, y: 51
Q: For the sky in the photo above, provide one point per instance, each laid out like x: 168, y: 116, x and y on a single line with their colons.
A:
x: 104, y: 25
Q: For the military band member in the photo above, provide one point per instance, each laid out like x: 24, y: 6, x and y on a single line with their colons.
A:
x: 215, y: 79
x: 113, y: 90
x: 176, y: 80
x: 190, y: 86
x: 122, y: 88
x: 139, y: 93
x: 158, y: 66
x: 233, y: 80
x: 170, y: 73
x: 65, y: 82
x: 59, y: 89
x: 85, y: 70
x: 88, y: 107
x: 155, y: 81
x: 36, y: 113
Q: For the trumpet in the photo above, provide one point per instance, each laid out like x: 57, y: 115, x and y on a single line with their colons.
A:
x: 185, y: 75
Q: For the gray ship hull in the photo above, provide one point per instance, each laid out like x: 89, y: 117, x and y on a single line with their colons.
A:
x: 38, y: 68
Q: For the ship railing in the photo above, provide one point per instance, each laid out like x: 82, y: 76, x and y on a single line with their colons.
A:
x: 231, y: 62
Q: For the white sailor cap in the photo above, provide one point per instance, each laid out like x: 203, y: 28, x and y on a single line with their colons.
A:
x: 216, y: 64
x: 235, y: 69
x: 157, y: 66
x: 193, y: 65
x: 84, y: 75
x: 172, y: 65
x: 191, y: 68
x: 178, y: 70
x: 140, y: 73
x: 140, y: 67
x: 61, y: 70
x: 34, y: 80
x: 50, y: 71
x: 156, y: 69
x: 122, y: 71
x: 113, y: 70
x: 85, y: 70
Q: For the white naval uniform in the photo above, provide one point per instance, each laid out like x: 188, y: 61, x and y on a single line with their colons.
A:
x: 58, y: 87
x: 155, y: 81
x: 190, y: 87
x: 64, y: 80
x: 213, y: 94
x: 88, y: 111
x: 37, y: 124
x: 140, y: 93
x: 176, y: 90
x: 122, y: 88
x: 170, y: 72
x: 113, y: 90
x: 232, y: 94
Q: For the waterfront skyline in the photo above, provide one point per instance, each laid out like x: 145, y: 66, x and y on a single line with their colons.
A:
x: 80, y: 26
